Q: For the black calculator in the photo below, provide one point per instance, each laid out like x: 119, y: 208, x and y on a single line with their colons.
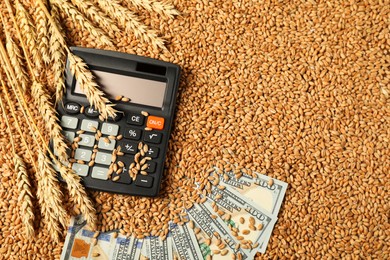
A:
x: 124, y: 154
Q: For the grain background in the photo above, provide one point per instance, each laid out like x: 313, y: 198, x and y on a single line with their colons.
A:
x: 297, y: 90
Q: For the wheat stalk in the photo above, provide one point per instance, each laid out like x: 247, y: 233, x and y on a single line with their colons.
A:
x: 49, y: 196
x: 77, y: 192
x: 23, y: 182
x: 95, y: 14
x: 85, y: 24
x: 28, y: 34
x: 130, y: 22
x: 46, y: 109
x: 42, y: 33
x: 163, y: 8
x: 87, y: 84
x: 57, y: 54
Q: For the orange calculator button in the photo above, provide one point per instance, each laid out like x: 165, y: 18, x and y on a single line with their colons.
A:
x: 155, y: 122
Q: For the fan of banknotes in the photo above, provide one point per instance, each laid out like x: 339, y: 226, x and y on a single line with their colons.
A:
x: 234, y: 221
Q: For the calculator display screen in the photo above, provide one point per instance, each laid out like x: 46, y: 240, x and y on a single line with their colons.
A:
x: 140, y: 91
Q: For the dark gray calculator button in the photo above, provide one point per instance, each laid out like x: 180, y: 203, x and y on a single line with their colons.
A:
x: 153, y: 137
x: 135, y: 119
x: 128, y: 147
x: 123, y: 177
x: 151, y: 167
x: 69, y: 122
x: 144, y: 181
x: 118, y: 117
x: 72, y: 108
x: 152, y: 152
x: 132, y: 133
x: 91, y: 112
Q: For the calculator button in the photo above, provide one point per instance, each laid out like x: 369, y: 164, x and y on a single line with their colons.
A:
x: 103, y: 158
x: 91, y: 112
x: 87, y: 125
x: 135, y: 119
x: 155, y: 122
x: 106, y: 146
x: 99, y: 173
x: 144, y: 181
x: 151, y: 167
x: 69, y: 135
x: 80, y: 169
x: 124, y: 177
x: 132, y: 133
x: 153, y: 137
x: 128, y: 147
x: 118, y: 117
x: 152, y: 152
x: 82, y: 154
x: 87, y: 140
x: 69, y: 122
x: 109, y: 129
x: 72, y: 108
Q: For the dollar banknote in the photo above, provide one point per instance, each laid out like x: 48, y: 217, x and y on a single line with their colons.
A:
x: 264, y: 190
x: 252, y: 221
x: 184, y: 242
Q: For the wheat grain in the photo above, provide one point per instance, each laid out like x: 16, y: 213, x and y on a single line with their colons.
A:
x: 130, y: 22
x: 29, y: 35
x: 42, y: 31
x: 77, y: 192
x: 85, y: 24
x: 163, y: 7
x: 87, y: 84
x: 48, y: 113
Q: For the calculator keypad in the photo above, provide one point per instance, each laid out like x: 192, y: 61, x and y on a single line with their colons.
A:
x: 94, y: 143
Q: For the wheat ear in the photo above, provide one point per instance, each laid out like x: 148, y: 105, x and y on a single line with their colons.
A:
x: 49, y: 196
x: 71, y: 11
x: 130, y: 22
x: 83, y: 75
x: 46, y: 109
x: 77, y: 192
x: 163, y: 8
x: 58, y: 55
x: 15, y: 57
x: 28, y: 32
x: 87, y: 84
x: 25, y: 196
x: 95, y: 14
x: 23, y: 182
x: 42, y: 33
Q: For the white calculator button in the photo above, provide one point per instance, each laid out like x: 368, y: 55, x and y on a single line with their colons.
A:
x: 99, y: 173
x: 88, y: 125
x: 82, y: 154
x: 110, y: 129
x: 69, y: 135
x: 87, y: 140
x: 103, y: 158
x: 106, y: 146
x: 80, y: 169
x: 69, y: 122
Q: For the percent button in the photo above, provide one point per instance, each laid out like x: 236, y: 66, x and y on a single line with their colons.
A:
x: 132, y: 133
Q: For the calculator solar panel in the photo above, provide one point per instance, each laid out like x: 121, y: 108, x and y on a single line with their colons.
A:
x: 125, y: 154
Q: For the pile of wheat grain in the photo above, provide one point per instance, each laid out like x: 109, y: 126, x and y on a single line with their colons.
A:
x: 295, y: 90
